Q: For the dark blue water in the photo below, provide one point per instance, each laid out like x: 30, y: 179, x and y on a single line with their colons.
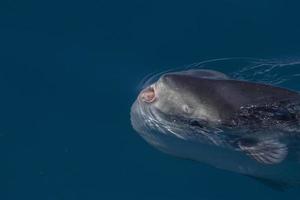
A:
x: 70, y: 70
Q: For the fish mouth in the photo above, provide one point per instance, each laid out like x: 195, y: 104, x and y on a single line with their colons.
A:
x: 148, y: 95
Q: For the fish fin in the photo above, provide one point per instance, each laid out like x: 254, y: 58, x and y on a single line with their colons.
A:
x: 266, y: 152
x: 275, y: 185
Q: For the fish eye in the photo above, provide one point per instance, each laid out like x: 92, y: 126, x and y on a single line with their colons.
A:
x: 187, y: 109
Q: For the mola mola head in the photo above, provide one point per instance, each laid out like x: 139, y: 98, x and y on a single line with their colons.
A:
x: 173, y: 103
x: 177, y: 94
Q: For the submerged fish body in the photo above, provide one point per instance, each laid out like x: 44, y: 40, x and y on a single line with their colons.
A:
x: 203, y: 115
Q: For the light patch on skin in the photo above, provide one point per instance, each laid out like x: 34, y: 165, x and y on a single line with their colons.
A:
x: 172, y: 101
x: 168, y: 99
x: 187, y: 109
x: 207, y: 114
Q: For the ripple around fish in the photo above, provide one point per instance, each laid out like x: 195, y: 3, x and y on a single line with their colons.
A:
x: 283, y: 73
x: 277, y: 72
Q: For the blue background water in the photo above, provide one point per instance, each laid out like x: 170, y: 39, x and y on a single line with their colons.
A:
x: 69, y: 72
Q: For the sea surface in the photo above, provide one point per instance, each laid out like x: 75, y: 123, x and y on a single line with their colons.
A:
x: 70, y: 71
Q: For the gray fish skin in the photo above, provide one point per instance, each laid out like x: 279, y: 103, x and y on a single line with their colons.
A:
x: 203, y: 115
x: 226, y: 97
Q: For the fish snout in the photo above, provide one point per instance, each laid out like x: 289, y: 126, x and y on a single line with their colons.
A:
x: 148, y: 95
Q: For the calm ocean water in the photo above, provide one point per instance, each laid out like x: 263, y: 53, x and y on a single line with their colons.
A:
x: 70, y: 70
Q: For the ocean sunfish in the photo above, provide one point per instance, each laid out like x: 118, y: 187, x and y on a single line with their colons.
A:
x: 241, y: 126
